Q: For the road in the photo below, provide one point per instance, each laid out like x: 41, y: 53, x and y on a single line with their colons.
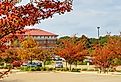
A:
x: 60, y: 77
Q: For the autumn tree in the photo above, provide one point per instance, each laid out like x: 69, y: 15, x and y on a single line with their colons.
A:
x: 9, y: 56
x: 107, y: 56
x: 44, y: 55
x: 27, y: 49
x: 14, y: 18
x: 72, y: 50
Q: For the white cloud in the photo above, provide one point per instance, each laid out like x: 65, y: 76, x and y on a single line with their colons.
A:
x: 85, y: 17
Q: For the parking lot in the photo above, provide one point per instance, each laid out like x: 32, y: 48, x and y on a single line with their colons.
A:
x: 60, y: 77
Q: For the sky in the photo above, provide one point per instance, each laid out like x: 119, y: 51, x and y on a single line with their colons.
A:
x: 84, y: 19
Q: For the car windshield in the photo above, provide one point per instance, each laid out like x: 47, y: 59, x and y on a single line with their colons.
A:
x: 32, y: 63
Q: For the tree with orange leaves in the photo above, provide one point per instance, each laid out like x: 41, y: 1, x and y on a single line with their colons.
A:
x: 14, y: 18
x: 106, y: 56
x: 72, y: 50
x: 28, y: 49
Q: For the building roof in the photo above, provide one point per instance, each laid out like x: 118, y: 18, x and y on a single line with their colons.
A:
x: 38, y: 32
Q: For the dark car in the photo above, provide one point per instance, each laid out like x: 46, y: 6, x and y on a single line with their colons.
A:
x: 32, y: 64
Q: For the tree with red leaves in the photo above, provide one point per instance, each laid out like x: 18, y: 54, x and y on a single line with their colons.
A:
x: 106, y: 56
x: 14, y: 18
x: 72, y: 50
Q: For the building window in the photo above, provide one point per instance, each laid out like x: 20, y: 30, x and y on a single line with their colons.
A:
x: 44, y: 36
x: 47, y: 36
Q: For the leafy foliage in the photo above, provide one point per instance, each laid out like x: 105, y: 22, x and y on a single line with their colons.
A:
x: 108, y: 55
x: 72, y: 49
x: 14, y: 18
x: 28, y: 49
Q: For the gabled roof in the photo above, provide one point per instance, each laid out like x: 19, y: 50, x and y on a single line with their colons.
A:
x: 38, y: 32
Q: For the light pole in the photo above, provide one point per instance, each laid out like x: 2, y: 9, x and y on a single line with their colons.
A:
x: 98, y: 32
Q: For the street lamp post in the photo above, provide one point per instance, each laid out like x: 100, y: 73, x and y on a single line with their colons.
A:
x: 98, y: 32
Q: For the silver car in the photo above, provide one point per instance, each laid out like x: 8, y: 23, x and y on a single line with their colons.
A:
x: 58, y: 64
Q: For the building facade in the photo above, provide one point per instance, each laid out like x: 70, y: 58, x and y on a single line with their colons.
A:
x: 43, y: 38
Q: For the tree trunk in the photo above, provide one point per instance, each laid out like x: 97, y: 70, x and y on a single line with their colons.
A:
x: 76, y: 64
x: 31, y: 60
x: 66, y: 65
x: 44, y: 63
x: 70, y: 67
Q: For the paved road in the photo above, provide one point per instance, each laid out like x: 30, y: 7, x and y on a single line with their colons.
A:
x: 60, y: 77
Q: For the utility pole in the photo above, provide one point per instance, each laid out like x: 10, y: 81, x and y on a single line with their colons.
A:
x: 98, y: 31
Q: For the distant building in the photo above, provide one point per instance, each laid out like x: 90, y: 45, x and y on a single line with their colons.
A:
x: 44, y: 38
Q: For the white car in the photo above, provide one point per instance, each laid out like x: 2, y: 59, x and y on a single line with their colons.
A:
x: 58, y: 64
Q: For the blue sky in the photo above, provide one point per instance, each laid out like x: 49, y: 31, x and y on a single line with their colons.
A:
x: 86, y: 16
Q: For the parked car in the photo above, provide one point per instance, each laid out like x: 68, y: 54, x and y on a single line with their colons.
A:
x: 32, y: 64
x: 16, y: 63
x: 58, y: 58
x: 58, y: 64
x: 24, y: 63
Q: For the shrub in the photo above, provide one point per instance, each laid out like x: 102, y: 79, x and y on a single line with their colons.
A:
x: 48, y: 62
x: 76, y: 70
x: 44, y: 68
x: 65, y: 69
x: 85, y: 69
x: 58, y: 69
x: 38, y: 69
x: 50, y: 69
x: 91, y: 70
x: 24, y: 68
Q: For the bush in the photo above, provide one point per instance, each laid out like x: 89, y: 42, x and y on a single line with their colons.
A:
x: 91, y: 70
x: 65, y: 69
x: 5, y: 67
x: 38, y: 69
x: 76, y: 70
x: 32, y: 68
x: 83, y: 63
x: 45, y: 69
x: 48, y: 62
x: 59, y: 69
x: 24, y: 68
x: 50, y: 69
x: 85, y: 69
